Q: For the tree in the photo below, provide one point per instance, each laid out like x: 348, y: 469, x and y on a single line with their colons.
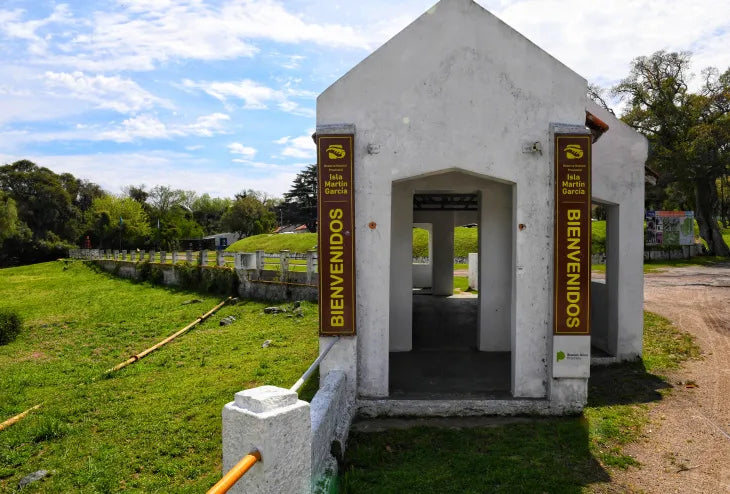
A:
x: 8, y: 217
x: 41, y: 199
x: 208, y: 212
x: 688, y: 133
x: 119, y: 219
x: 300, y: 203
x: 249, y: 214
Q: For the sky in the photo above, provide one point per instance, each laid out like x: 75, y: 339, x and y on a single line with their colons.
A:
x: 219, y: 96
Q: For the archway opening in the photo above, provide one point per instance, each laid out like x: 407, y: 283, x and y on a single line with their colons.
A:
x: 448, y: 343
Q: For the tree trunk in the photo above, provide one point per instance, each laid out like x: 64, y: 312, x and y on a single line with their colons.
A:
x: 706, y: 200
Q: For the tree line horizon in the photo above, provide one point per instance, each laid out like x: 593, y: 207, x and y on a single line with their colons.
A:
x: 43, y: 214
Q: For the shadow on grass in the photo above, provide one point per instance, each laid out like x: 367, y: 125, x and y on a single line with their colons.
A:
x: 624, y: 384
x: 545, y: 455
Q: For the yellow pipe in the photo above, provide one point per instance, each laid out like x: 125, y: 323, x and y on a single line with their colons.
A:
x: 235, y: 473
x: 167, y: 340
x: 17, y: 418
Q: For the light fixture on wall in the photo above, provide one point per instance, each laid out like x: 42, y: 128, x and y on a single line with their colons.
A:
x: 532, y: 147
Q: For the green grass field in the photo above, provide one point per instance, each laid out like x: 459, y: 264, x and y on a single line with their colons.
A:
x: 275, y: 243
x: 565, y: 455
x: 154, y: 426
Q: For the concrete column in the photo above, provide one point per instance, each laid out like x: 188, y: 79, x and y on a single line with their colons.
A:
x: 124, y: 255
x: 400, y: 336
x: 132, y: 256
x: 220, y: 260
x: 116, y: 255
x: 204, y: 257
x: 278, y: 424
x: 496, y: 271
x: 311, y: 275
x: 443, y: 253
x: 152, y: 256
x: 174, y: 257
x: 473, y: 270
x: 260, y: 260
x: 163, y: 257
x: 189, y: 256
x: 284, y: 265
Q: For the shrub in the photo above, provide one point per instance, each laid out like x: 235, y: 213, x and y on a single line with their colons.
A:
x: 10, y: 325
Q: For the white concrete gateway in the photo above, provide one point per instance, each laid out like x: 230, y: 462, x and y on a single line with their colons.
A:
x: 454, y: 122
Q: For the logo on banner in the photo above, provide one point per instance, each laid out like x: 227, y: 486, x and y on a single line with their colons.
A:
x: 573, y: 151
x: 335, y: 151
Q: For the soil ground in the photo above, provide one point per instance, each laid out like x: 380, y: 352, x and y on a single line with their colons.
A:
x: 686, y: 446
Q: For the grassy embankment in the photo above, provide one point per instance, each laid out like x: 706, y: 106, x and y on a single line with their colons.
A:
x: 154, y: 426
x: 564, y: 455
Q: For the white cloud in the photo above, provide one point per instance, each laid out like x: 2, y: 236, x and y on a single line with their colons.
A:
x: 238, y: 148
x: 255, y: 96
x: 106, y: 92
x: 140, y: 127
x: 150, y: 127
x: 297, y: 147
x: 139, y: 35
x: 599, y: 40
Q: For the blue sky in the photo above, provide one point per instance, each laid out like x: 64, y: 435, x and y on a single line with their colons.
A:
x: 219, y: 96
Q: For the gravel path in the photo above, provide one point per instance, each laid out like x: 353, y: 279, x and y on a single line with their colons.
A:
x: 686, y: 446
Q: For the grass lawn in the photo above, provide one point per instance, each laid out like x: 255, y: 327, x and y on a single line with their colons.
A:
x: 548, y: 455
x: 274, y: 243
x: 154, y: 426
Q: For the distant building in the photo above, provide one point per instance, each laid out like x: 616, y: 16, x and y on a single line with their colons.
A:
x: 292, y: 229
x: 223, y: 240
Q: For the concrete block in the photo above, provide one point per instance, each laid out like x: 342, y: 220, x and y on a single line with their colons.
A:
x: 276, y: 423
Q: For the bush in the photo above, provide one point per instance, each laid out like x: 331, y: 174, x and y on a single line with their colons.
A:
x: 10, y: 325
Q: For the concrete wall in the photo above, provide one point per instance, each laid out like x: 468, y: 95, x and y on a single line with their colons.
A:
x: 618, y: 182
x: 253, y: 284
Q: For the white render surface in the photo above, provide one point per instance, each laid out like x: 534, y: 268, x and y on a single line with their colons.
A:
x: 450, y: 103
x: 331, y: 414
x: 618, y: 182
x: 473, y: 270
x: 276, y: 423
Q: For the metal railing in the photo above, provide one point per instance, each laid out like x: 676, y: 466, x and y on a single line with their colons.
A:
x: 314, y: 366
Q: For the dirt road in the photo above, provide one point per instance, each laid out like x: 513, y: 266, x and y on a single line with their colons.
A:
x: 686, y: 448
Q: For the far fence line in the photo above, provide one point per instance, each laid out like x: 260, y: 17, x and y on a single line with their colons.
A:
x: 282, y: 262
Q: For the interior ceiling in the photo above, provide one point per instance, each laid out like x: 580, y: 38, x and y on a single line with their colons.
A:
x: 440, y: 201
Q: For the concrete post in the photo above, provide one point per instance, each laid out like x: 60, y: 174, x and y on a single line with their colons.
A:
x: 473, y: 270
x: 132, y: 256
x: 189, y: 256
x: 124, y: 255
x: 278, y: 424
x: 174, y: 257
x: 203, y: 257
x: 284, y: 265
x: 152, y: 256
x: 116, y: 255
x: 260, y: 260
x: 220, y: 260
x: 163, y: 257
x: 443, y: 254
x: 311, y: 275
